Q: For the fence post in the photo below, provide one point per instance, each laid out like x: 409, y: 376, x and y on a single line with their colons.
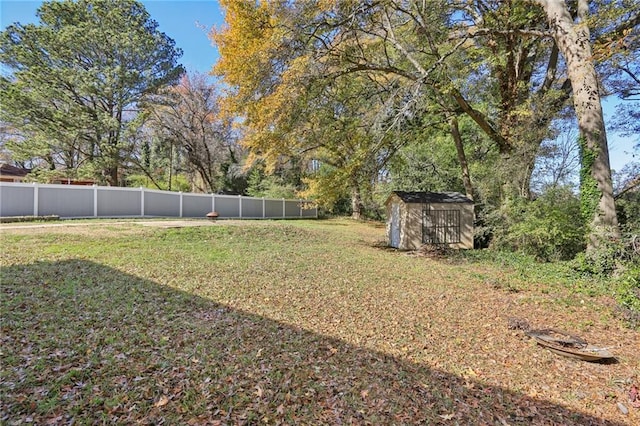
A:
x: 264, y: 211
x: 95, y: 200
x: 284, y: 208
x: 35, y: 199
x: 142, y: 201
x: 240, y: 205
x: 181, y: 199
x: 300, y: 204
x: 213, y: 202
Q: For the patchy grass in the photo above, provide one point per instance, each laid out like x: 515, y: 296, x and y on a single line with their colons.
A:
x: 303, y: 322
x: 526, y: 270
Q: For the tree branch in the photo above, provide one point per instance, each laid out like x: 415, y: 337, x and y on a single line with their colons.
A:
x: 481, y: 121
x: 634, y: 183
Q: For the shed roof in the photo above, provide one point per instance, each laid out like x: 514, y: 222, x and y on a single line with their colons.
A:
x: 432, y: 197
x: 9, y: 170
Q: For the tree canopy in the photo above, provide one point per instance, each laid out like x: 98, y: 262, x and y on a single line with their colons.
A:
x: 187, y: 116
x: 509, y: 66
x: 75, y: 80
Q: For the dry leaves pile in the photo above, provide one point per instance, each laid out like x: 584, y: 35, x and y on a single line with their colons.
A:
x: 290, y: 323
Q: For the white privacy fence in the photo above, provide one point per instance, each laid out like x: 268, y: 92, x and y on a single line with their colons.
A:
x: 68, y: 201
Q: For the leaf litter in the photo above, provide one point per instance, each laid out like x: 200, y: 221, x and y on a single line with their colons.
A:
x: 289, y: 323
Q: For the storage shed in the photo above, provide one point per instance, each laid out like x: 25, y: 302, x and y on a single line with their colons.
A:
x: 417, y: 218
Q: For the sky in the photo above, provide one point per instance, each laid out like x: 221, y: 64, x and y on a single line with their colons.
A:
x: 185, y: 21
x: 189, y: 21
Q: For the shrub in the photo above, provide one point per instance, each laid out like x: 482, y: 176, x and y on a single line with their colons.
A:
x: 548, y: 228
x: 271, y: 186
x: 628, y: 209
x: 619, y: 264
x: 607, y: 259
x: 628, y: 295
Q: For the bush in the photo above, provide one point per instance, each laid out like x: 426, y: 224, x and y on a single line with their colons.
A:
x: 617, y: 263
x: 628, y: 210
x: 628, y: 295
x: 606, y: 260
x: 271, y: 186
x: 548, y: 228
x: 600, y: 262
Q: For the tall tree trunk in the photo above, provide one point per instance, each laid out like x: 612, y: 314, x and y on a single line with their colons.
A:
x: 51, y: 161
x: 462, y: 158
x: 112, y: 176
x: 525, y: 184
x: 573, y: 41
x: 525, y: 169
x: 357, y: 206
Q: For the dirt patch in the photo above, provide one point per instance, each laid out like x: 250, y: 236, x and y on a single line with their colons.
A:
x: 176, y: 223
x: 70, y: 224
x: 101, y: 227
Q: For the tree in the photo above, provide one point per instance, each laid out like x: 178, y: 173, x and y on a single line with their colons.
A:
x: 428, y: 164
x: 475, y: 58
x: 187, y: 116
x: 156, y: 158
x: 416, y: 52
x: 77, y: 77
x: 573, y: 40
x: 497, y: 62
x: 291, y: 112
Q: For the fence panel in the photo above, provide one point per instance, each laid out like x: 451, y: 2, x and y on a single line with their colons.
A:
x: 71, y: 201
x: 292, y: 208
x: 273, y: 208
x: 119, y: 202
x: 227, y: 206
x: 23, y: 199
x: 309, y: 211
x: 194, y: 205
x: 16, y: 200
x: 158, y: 203
x: 252, y: 207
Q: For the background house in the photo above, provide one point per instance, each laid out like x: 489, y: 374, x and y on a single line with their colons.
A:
x: 417, y: 218
x: 9, y: 173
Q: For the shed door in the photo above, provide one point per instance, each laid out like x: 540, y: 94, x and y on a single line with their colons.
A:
x: 440, y: 226
x: 395, y: 225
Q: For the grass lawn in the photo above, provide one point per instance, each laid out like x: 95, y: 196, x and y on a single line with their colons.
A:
x: 298, y: 322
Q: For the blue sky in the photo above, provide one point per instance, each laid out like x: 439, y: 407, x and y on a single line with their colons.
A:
x: 185, y: 21
x: 189, y: 21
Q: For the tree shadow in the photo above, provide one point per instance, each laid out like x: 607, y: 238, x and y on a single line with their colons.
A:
x: 86, y: 343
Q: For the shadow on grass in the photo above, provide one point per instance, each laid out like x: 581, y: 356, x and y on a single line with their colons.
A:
x: 86, y: 343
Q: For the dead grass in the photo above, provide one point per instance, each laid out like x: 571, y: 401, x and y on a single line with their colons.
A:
x: 304, y: 322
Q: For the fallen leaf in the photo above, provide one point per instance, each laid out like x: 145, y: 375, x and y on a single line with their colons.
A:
x: 634, y: 396
x: 503, y: 421
x: 161, y: 402
x: 447, y: 416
